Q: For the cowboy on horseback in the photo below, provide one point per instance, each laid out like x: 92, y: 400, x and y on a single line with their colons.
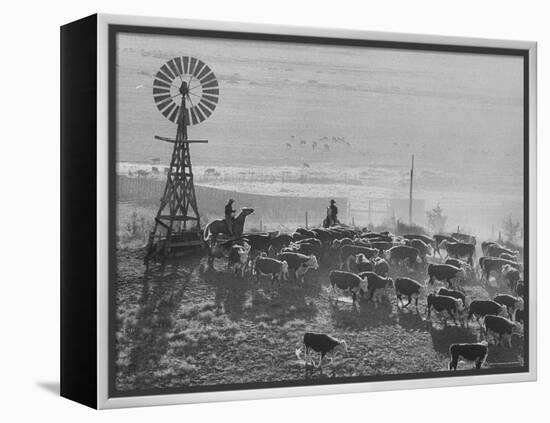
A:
x: 229, y: 216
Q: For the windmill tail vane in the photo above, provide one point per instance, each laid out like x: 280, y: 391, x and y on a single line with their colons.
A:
x: 186, y: 92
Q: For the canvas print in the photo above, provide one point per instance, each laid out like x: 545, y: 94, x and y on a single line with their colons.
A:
x: 290, y: 212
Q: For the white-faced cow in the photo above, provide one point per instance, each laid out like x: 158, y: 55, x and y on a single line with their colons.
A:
x: 268, y: 266
x: 299, y: 264
x: 476, y: 353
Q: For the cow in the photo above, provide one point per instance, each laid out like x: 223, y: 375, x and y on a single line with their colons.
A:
x: 259, y: 243
x: 346, y: 281
x: 269, y: 266
x: 438, y: 239
x: 299, y: 264
x: 381, y: 266
x: 485, y: 245
x: 280, y: 241
x: 375, y: 283
x: 445, y: 272
x: 443, y: 304
x: 359, y: 264
x: 381, y: 245
x: 353, y: 250
x: 409, y: 288
x: 322, y: 344
x: 520, y: 288
x: 305, y: 232
x: 459, y: 250
x: 482, y: 308
x: 511, y: 303
x: 476, y: 353
x: 494, y: 264
x: 402, y: 253
x: 511, y: 276
x: 495, y: 250
x: 501, y: 326
x: 469, y: 239
x: 424, y: 238
x: 337, y: 243
x: 422, y: 248
x: 307, y: 248
x: 453, y: 293
x: 237, y: 260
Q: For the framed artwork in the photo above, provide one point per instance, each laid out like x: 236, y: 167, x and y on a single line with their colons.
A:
x: 254, y: 211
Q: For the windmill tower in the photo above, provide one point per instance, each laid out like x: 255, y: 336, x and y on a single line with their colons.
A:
x: 185, y: 91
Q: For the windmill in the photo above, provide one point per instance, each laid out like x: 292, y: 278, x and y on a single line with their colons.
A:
x: 185, y: 91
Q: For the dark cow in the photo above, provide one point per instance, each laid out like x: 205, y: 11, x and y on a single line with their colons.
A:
x: 453, y: 293
x: 520, y: 288
x: 482, y: 308
x: 259, y: 243
x: 376, y: 283
x: 324, y: 235
x: 306, y: 232
x: 476, y: 353
x: 501, y: 326
x: 269, y: 266
x: 353, y: 250
x: 280, y: 241
x: 494, y: 264
x: 443, y: 304
x: 459, y: 250
x: 424, y: 238
x: 409, y: 288
x: 237, y: 260
x: 511, y: 276
x: 346, y: 281
x: 495, y: 250
x: 299, y: 264
x: 469, y: 239
x: 422, y: 248
x: 485, y: 245
x: 445, y: 272
x: 322, y: 344
x: 439, y: 238
x: 402, y: 253
x: 511, y: 303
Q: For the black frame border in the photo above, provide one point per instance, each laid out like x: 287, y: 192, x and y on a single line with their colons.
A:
x: 114, y: 29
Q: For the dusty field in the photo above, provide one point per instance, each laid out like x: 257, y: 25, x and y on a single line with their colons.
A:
x: 178, y: 328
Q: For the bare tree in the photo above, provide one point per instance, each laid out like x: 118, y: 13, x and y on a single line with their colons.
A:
x: 436, y: 219
x: 511, y: 229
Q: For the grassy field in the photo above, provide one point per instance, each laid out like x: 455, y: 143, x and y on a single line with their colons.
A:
x: 177, y: 327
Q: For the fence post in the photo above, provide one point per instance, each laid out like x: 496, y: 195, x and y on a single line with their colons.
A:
x: 499, y: 236
x: 261, y: 226
x: 306, y: 219
x: 458, y: 229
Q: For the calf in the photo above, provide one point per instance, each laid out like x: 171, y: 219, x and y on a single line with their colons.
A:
x: 504, y: 328
x: 375, y: 283
x: 511, y: 303
x: 443, y: 304
x: 299, y: 264
x: 346, y: 281
x: 269, y: 266
x: 409, y: 288
x: 482, y: 308
x: 238, y: 259
x: 476, y: 353
x: 445, y: 272
x: 322, y: 344
x: 453, y: 293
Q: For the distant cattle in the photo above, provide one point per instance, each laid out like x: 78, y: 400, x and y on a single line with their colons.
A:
x: 459, y: 250
x: 485, y: 246
x: 439, y: 238
x: 503, y: 328
x: 469, y: 239
x: 476, y: 353
x: 424, y: 238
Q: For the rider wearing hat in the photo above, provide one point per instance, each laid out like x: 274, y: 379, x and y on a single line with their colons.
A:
x: 229, y: 215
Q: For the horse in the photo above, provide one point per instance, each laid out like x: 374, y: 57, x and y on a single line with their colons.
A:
x: 219, y: 226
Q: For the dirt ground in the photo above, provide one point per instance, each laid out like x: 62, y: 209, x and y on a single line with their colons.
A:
x: 177, y: 327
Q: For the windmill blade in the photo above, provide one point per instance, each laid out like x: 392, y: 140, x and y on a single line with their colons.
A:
x: 202, y: 85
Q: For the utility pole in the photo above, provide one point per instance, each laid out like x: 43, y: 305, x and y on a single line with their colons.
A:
x: 411, y: 192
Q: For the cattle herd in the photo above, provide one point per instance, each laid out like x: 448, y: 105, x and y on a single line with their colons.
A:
x: 437, y: 268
